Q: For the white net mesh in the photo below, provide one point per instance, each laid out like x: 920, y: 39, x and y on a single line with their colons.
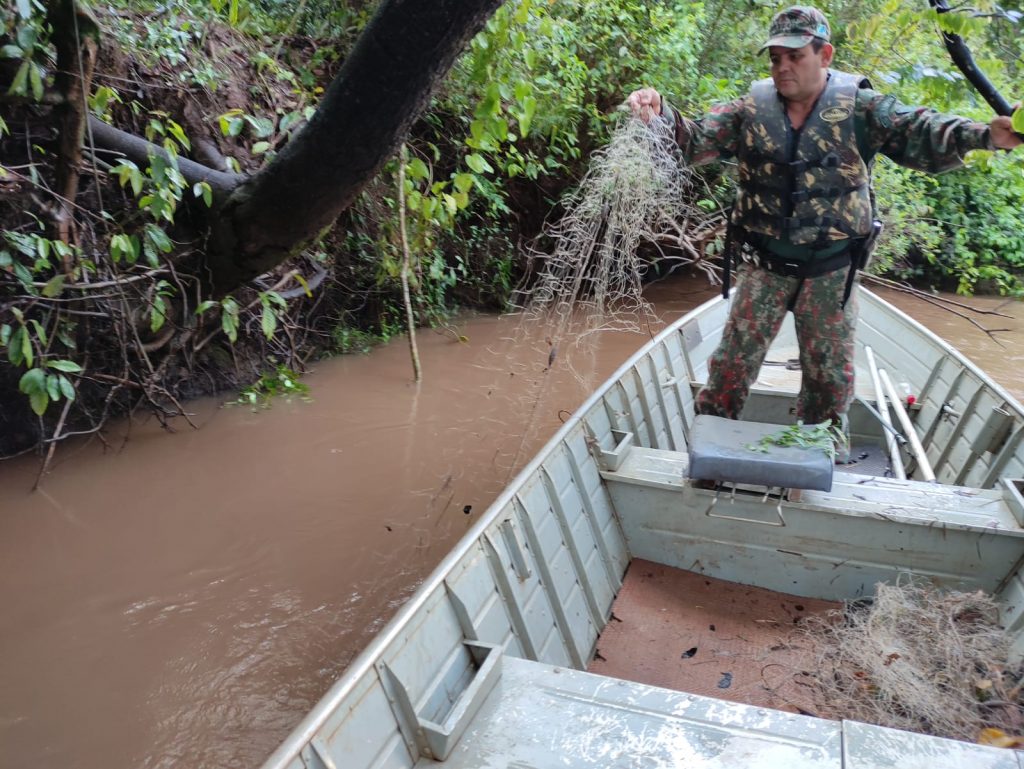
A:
x: 636, y: 191
x: 920, y: 659
x: 637, y: 195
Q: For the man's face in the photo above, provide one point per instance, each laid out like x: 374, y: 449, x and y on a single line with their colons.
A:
x: 799, y: 73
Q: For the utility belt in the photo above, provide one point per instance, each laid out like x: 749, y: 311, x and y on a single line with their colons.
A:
x: 853, y: 257
x: 811, y: 268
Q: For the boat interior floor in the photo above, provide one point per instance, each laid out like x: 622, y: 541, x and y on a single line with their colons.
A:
x: 693, y: 633
x: 867, y: 459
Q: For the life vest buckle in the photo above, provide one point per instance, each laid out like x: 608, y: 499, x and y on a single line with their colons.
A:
x: 831, y: 160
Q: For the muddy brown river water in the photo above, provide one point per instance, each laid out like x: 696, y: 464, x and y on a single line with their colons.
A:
x: 182, y: 599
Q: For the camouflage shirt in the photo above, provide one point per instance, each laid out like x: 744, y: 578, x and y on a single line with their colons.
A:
x: 916, y: 137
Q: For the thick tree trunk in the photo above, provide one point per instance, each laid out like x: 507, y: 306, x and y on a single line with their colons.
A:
x: 75, y: 35
x: 384, y: 85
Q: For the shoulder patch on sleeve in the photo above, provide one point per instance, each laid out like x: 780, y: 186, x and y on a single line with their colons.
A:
x: 883, y: 110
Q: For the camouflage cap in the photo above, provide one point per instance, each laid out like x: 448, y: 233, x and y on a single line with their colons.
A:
x: 797, y: 26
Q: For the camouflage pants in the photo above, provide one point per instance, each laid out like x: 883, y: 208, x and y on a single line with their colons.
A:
x: 824, y: 331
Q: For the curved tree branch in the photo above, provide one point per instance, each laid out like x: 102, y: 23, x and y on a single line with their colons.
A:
x: 385, y: 83
x: 138, y: 150
x: 964, y: 60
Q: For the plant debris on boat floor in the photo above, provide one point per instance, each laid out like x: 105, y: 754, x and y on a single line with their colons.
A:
x: 921, y: 659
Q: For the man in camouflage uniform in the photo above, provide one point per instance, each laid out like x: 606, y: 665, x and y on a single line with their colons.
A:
x: 805, y: 140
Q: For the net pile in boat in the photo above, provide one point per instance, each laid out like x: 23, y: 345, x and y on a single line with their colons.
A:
x: 920, y: 659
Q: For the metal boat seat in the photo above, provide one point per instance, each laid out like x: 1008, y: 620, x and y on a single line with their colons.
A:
x: 731, y: 451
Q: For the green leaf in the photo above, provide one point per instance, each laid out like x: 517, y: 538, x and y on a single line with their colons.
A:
x: 67, y: 366
x: 522, y: 14
x: 204, y: 306
x: 22, y: 273
x: 203, y: 190
x: 229, y: 318
x: 289, y: 120
x: 478, y: 163
x: 11, y: 52
x: 26, y: 347
x: 15, y: 349
x: 1018, y: 121
x: 53, y: 388
x: 260, y: 147
x: 66, y: 387
x: 450, y: 203
x: 39, y: 401
x: 158, y: 314
x: 417, y: 169
x: 158, y: 238
x: 268, y: 321
x: 33, y: 380
x: 54, y: 286
x: 101, y: 98
x: 178, y: 133
x: 122, y: 247
x: 64, y: 335
x: 27, y: 36
x: 40, y: 331
x: 19, y: 85
x: 24, y: 8
x: 35, y: 79
x: 261, y: 127
x: 463, y: 182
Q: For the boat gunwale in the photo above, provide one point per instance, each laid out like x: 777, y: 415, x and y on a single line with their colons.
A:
x: 306, y: 729
x: 946, y: 347
x: 364, y: 663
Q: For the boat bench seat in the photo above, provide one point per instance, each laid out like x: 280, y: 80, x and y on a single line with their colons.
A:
x: 547, y: 717
x: 735, y: 451
x: 865, y: 530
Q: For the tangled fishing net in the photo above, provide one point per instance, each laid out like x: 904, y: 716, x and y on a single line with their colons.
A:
x: 637, y: 190
x: 637, y: 195
x: 919, y: 659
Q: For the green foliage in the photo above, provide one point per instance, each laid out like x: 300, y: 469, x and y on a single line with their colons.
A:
x: 27, y: 40
x: 281, y: 382
x: 347, y: 340
x: 983, y: 223
x: 960, y: 231
x: 824, y: 437
x: 29, y: 345
x: 510, y: 130
x: 236, y: 11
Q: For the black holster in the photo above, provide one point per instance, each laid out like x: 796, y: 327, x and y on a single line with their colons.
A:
x: 860, y: 256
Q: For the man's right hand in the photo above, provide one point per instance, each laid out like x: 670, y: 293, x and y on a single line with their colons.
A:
x: 645, y: 103
x: 1003, y: 136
